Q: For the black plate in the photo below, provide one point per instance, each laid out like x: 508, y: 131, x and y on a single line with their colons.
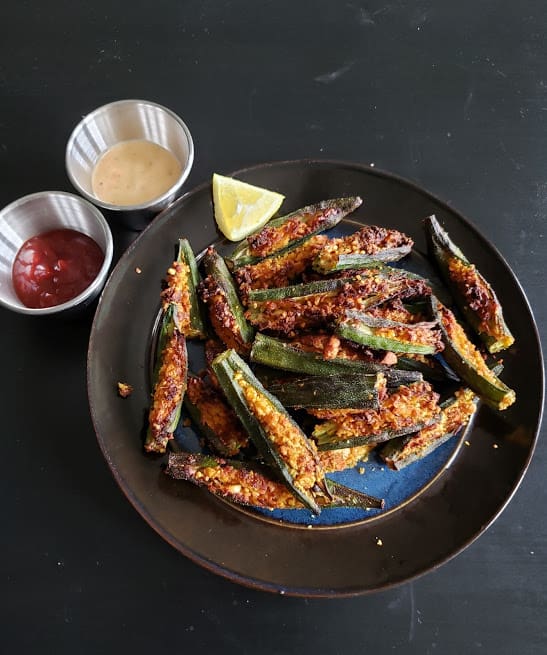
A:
x: 423, y: 533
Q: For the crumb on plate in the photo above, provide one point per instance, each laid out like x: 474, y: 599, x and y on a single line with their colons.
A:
x: 124, y: 389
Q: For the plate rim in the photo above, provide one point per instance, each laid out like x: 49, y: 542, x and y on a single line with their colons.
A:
x: 256, y: 583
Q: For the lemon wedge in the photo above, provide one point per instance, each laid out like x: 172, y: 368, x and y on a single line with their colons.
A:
x: 241, y: 208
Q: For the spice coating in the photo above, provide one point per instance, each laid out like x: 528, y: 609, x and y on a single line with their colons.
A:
x: 168, y: 392
x: 408, y: 406
x: 480, y: 299
x: 291, y: 315
x: 216, y: 415
x: 221, y: 315
x: 292, y: 445
x: 278, y: 271
x: 453, y: 418
x: 370, y: 240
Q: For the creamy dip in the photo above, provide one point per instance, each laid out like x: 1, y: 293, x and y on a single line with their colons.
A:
x: 134, y: 172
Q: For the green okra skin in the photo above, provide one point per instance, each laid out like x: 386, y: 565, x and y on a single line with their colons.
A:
x: 324, y: 434
x: 325, y: 215
x: 480, y: 305
x: 325, y: 392
x: 488, y: 387
x: 366, y: 331
x: 216, y: 267
x: 355, y: 261
x: 197, y: 316
x: 279, y: 354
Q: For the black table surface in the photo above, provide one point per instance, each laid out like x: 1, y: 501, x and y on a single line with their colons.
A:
x: 452, y: 95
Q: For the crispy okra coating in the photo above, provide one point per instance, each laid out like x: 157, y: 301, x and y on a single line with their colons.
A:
x: 344, y: 458
x: 425, y: 334
x: 480, y: 299
x: 292, y: 315
x: 177, y: 293
x: 452, y: 419
x: 459, y: 338
x: 168, y: 392
x: 281, y: 270
x: 297, y: 452
x: 415, y: 404
x: 369, y: 240
x: 394, y: 310
x: 240, y: 485
x: 218, y: 417
x: 221, y: 316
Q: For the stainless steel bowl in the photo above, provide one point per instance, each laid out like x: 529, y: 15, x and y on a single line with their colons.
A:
x: 39, y: 213
x: 127, y: 120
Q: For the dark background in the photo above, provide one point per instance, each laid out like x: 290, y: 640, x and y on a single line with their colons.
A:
x: 450, y: 95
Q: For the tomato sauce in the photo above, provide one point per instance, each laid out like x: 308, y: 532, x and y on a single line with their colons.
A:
x: 54, y: 267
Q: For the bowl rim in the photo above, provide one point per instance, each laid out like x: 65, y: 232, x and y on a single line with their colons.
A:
x: 187, y: 167
x: 100, y: 278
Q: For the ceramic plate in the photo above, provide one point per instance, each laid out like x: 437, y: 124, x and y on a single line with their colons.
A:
x: 434, y: 508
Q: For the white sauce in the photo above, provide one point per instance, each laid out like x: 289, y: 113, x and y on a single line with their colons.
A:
x: 134, y: 172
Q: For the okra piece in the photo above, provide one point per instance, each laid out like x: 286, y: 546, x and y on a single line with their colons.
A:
x: 279, y: 354
x: 317, y: 304
x: 406, y: 410
x: 290, y: 230
x: 331, y: 391
x: 280, y: 269
x: 366, y: 247
x: 170, y: 380
x: 253, y: 486
x: 456, y: 412
x: 464, y: 358
x: 279, y: 440
x: 214, y: 418
x: 385, y: 334
x: 225, y: 310
x: 473, y: 294
x: 182, y: 280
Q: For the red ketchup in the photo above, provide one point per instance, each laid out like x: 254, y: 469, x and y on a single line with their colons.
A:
x: 54, y: 267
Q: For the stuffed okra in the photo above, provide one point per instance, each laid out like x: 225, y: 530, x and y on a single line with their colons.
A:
x: 279, y: 440
x: 214, y: 418
x: 467, y: 361
x: 225, y: 310
x: 253, y: 486
x: 385, y: 334
x: 456, y: 413
x: 293, y: 309
x: 474, y: 296
x: 363, y: 248
x: 287, y: 231
x: 170, y: 379
x: 406, y: 410
x: 181, y: 281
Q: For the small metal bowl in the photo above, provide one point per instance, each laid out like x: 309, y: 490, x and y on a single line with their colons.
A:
x: 41, y: 212
x: 127, y: 120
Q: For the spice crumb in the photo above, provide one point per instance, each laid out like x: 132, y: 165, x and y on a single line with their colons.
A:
x: 361, y: 470
x: 379, y: 542
x: 124, y: 389
x: 138, y: 270
x: 495, y: 446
